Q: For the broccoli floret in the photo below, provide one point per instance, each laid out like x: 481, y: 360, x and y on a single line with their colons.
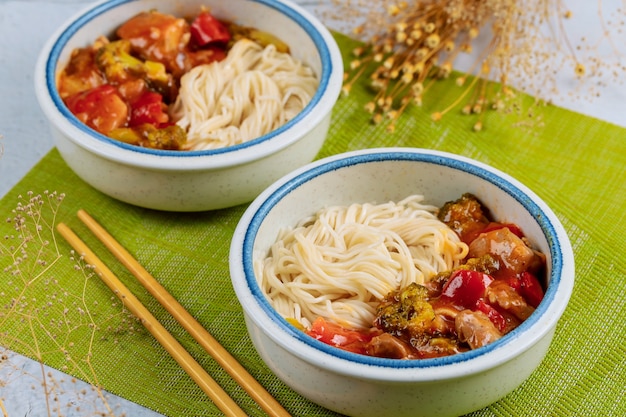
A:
x: 486, y: 264
x: 465, y: 216
x: 406, y: 313
x: 148, y: 136
x: 118, y: 65
x: 172, y: 137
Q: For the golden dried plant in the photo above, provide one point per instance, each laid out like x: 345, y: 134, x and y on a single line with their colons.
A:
x: 408, y: 45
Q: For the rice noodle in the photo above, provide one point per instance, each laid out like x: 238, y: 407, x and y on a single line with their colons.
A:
x: 251, y: 92
x: 341, y: 262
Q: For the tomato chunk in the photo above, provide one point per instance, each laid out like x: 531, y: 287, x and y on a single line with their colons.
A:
x: 206, y: 29
x: 157, y: 37
x: 101, y: 108
x: 335, y: 335
x: 465, y: 288
x: 148, y: 108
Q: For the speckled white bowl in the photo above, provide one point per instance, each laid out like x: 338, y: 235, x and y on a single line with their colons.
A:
x: 194, y: 180
x: 365, y: 386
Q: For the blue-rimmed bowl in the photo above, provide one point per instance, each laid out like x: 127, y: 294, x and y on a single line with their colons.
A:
x: 192, y: 180
x: 359, y: 385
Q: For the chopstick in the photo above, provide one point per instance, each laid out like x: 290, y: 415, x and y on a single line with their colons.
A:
x: 263, y: 398
x: 219, y: 397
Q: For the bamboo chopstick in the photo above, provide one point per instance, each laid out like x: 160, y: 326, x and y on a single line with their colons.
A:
x: 263, y: 398
x: 219, y: 397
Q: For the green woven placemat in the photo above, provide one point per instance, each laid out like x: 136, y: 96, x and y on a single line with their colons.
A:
x: 55, y: 312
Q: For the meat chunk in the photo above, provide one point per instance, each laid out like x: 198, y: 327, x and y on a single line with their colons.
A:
x: 502, y: 294
x: 508, y: 248
x: 388, y: 346
x: 443, y: 323
x: 475, y: 328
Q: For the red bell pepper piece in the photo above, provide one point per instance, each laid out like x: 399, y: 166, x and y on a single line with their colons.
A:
x: 494, y: 315
x: 148, y: 108
x: 465, y: 288
x: 206, y: 29
x: 531, y: 289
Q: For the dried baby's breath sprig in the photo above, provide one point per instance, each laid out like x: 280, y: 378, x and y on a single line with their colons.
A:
x: 45, y: 319
x: 408, y: 45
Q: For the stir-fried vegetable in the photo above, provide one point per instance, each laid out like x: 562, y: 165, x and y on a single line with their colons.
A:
x: 146, y: 135
x: 206, y: 29
x: 101, y: 108
x: 476, y: 303
x: 258, y: 36
x: 123, y: 87
x: 118, y: 66
x: 406, y: 312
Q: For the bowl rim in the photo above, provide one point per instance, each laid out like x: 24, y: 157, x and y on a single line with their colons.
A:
x: 529, y: 333
x: 313, y: 114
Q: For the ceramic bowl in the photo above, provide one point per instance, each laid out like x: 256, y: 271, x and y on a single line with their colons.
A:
x: 358, y: 385
x: 192, y: 180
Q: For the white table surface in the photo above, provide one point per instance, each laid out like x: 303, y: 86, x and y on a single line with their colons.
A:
x: 24, y: 27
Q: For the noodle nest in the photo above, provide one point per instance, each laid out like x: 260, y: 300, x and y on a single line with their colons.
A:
x: 253, y: 91
x: 342, y: 261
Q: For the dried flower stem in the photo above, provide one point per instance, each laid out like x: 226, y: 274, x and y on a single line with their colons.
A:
x: 409, y: 44
x: 39, y: 317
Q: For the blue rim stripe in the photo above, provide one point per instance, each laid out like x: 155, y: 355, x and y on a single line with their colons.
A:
x: 66, y: 35
x: 546, y: 226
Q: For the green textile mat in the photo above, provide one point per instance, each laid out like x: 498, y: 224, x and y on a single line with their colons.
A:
x: 575, y: 163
